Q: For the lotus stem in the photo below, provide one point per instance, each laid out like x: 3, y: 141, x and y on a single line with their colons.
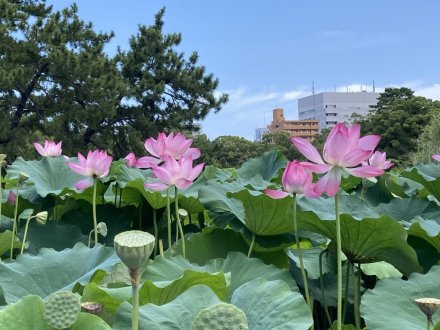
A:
x: 134, y: 274
x: 169, y: 219
x: 90, y: 238
x: 14, y: 224
x: 356, y: 295
x: 182, y: 235
x: 301, y: 261
x: 339, y: 263
x: 321, y: 284
x: 161, y: 248
x: 25, y: 233
x: 1, y: 191
x: 251, y: 247
x: 156, y: 242
x: 347, y: 282
x: 429, y: 325
x: 95, y: 222
x: 140, y: 215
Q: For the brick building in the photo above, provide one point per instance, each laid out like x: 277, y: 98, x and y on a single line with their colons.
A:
x: 306, y: 129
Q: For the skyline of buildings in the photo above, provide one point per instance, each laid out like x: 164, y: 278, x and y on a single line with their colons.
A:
x: 320, y: 111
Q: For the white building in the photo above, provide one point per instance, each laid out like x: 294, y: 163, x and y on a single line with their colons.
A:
x: 332, y: 107
x: 259, y: 132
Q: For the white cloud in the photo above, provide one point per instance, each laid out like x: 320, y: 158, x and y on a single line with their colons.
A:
x: 431, y: 92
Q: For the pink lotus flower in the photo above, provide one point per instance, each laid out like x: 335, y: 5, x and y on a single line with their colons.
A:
x: 378, y: 159
x: 97, y: 164
x: 343, y: 151
x: 50, y: 149
x: 179, y: 173
x: 436, y: 157
x: 12, y: 197
x: 143, y: 162
x: 175, y: 146
x: 296, y: 180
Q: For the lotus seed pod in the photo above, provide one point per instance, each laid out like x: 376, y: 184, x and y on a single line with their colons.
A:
x: 134, y: 247
x: 62, y: 309
x: 222, y: 316
x: 91, y: 307
x: 2, y: 159
x: 102, y: 229
x: 41, y: 217
x: 428, y: 305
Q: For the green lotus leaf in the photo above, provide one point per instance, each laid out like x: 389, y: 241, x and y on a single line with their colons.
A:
x: 217, y: 243
x: 381, y: 269
x: 390, y: 305
x: 50, y: 175
x: 177, y: 314
x: 264, y: 215
x: 5, y: 242
x: 110, y: 298
x: 132, y: 181
x: 53, y: 234
x: 117, y: 219
x: 241, y: 268
x: 161, y: 294
x: 88, y: 321
x: 27, y: 314
x: 222, y: 210
x: 266, y: 166
x: 271, y: 305
x: 427, y: 175
x: 428, y: 230
x: 311, y: 261
x: 368, y: 239
x: 51, y: 270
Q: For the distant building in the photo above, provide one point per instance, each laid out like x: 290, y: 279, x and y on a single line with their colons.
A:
x: 306, y: 129
x: 259, y: 132
x: 330, y: 108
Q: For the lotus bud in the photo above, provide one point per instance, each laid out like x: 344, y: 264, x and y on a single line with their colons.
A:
x: 12, y: 198
x: 41, y: 217
x: 428, y: 305
x: 134, y: 248
x: 102, y: 229
x: 2, y: 159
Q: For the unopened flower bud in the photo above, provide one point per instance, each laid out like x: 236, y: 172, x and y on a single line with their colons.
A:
x: 134, y: 248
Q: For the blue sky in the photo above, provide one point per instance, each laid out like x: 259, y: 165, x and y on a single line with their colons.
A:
x: 267, y: 53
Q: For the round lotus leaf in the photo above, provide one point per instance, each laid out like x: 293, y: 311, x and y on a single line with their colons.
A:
x: 221, y: 316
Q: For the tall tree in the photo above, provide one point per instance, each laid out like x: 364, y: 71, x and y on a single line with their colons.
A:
x: 399, y: 118
x: 57, y: 82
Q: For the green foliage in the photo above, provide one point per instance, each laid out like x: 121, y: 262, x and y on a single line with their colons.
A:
x: 57, y: 82
x: 428, y: 141
x: 50, y: 271
x: 391, y: 304
x: 399, y: 118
